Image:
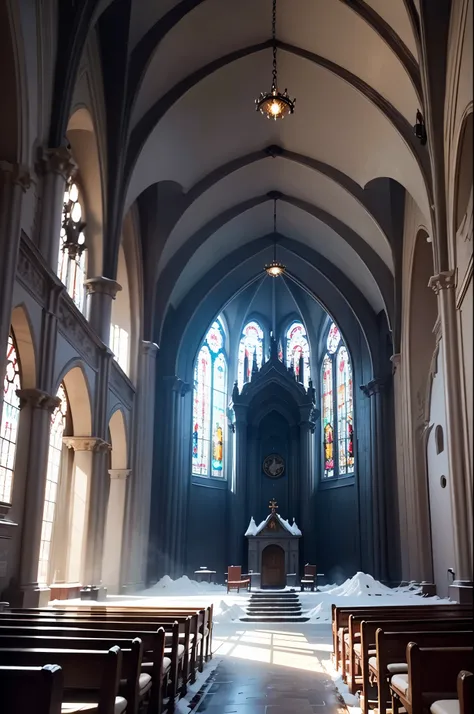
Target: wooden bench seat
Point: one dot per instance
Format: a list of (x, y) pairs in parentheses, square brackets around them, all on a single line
[(391, 654), (464, 704), (31, 689), (89, 676), (432, 676)]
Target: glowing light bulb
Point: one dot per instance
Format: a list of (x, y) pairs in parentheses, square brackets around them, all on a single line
[(275, 108)]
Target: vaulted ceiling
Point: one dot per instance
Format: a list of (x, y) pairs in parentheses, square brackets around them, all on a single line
[(207, 161)]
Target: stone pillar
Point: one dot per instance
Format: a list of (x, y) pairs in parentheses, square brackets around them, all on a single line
[(294, 475), (100, 293), (181, 479), (238, 489), (95, 527), (114, 530), (14, 181), (40, 406), (402, 489), (307, 489), (57, 166), (137, 525), (461, 490), (374, 390)]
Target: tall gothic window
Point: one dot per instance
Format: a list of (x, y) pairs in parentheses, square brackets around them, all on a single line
[(209, 404), (58, 424), (250, 346), (337, 407), (10, 419), (72, 258), (297, 352)]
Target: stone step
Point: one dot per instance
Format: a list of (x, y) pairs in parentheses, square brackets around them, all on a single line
[(283, 608), (276, 618), (274, 599)]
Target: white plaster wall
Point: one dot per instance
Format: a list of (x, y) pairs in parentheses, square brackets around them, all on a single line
[(441, 519)]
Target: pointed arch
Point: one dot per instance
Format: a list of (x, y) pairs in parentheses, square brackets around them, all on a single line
[(118, 439), (251, 347), (297, 352), (78, 391)]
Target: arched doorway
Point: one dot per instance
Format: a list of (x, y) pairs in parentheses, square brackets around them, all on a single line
[(273, 567)]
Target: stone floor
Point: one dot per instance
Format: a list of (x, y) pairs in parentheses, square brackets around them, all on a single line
[(269, 671)]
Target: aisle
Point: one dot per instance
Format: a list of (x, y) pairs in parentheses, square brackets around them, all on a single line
[(267, 670)]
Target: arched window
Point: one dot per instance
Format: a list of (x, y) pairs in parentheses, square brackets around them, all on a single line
[(250, 346), (10, 419), (297, 352), (72, 258), (337, 407), (58, 424), (209, 405)]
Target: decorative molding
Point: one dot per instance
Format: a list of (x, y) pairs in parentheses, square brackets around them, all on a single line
[(76, 329), (58, 161), (396, 361), (30, 272), (18, 174), (37, 399), (87, 443), (121, 385), (464, 285), (102, 286), (119, 474), (437, 330), (375, 386), (150, 349), (443, 281)]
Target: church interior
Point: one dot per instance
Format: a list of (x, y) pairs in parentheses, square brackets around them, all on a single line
[(235, 270)]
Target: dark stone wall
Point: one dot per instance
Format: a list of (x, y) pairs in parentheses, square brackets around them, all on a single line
[(207, 518)]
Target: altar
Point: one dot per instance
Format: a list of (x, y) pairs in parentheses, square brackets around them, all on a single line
[(273, 549)]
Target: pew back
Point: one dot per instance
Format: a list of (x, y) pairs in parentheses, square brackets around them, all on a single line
[(31, 689)]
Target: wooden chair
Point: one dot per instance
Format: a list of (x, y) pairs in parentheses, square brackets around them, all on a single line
[(235, 581), (31, 689), (309, 578)]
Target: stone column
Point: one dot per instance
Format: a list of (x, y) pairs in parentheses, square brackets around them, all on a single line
[(294, 475), (402, 490), (56, 166), (374, 390), (137, 525), (307, 488), (181, 480), (100, 293), (114, 529), (95, 527), (40, 406), (461, 490), (14, 181), (238, 489)]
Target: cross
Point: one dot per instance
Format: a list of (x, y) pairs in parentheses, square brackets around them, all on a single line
[(273, 505)]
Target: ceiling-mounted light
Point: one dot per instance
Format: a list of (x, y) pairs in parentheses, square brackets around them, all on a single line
[(274, 104), (275, 268)]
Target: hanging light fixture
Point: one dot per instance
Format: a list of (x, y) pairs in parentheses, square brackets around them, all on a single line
[(274, 104), (275, 268)]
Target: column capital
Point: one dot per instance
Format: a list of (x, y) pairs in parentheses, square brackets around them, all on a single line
[(175, 384), (443, 281), (86, 443), (119, 474), (57, 161), (149, 348), (17, 174), (396, 361), (104, 286), (375, 386), (37, 399)]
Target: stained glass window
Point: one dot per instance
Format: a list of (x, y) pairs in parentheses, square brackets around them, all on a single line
[(210, 404), (72, 258), (328, 417), (337, 407), (297, 352), (251, 343), (10, 419), (58, 423)]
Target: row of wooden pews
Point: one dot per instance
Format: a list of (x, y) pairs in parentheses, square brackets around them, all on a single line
[(416, 657), (100, 659)]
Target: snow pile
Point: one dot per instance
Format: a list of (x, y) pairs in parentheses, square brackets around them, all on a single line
[(227, 613), (361, 590), (252, 530), (181, 586)]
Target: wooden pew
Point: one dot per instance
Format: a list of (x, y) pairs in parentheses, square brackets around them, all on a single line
[(432, 675), (466, 692), (134, 686), (92, 674), (31, 689), (154, 663), (173, 650), (340, 622), (391, 647), (200, 625)]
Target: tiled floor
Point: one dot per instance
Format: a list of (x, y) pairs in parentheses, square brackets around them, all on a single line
[(266, 671)]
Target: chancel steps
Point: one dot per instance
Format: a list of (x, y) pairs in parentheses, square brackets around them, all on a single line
[(271, 606)]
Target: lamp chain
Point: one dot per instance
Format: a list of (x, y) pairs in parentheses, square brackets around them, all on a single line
[(274, 81), (274, 229)]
